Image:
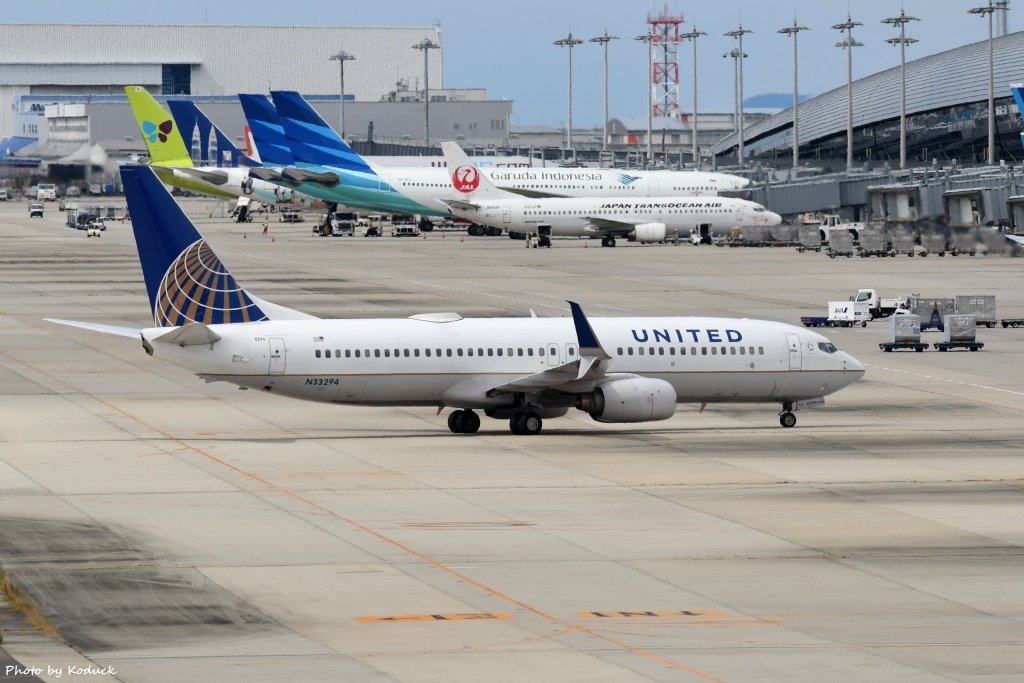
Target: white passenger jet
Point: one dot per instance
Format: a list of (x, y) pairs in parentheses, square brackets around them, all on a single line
[(647, 219), (523, 370)]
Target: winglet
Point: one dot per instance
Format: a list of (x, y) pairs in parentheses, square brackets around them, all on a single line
[(589, 345)]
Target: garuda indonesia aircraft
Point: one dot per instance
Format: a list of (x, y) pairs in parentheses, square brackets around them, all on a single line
[(524, 370), (644, 219), (172, 161), (295, 142)]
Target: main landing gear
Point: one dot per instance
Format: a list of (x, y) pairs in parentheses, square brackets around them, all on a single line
[(463, 422), (786, 417), (608, 241), (525, 423)]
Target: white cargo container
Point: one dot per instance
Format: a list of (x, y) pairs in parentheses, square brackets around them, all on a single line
[(981, 306)]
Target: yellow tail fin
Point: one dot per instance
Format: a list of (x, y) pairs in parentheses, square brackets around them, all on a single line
[(160, 133)]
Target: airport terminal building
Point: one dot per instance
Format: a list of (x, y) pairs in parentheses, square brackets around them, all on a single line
[(61, 85), (947, 114)]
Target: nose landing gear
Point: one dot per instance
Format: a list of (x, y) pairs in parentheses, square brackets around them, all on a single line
[(786, 417)]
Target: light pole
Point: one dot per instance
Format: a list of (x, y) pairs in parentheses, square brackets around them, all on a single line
[(425, 46), (649, 39), (902, 20), (735, 54), (989, 10), (738, 35), (793, 31), (341, 58), (604, 40), (570, 43), (693, 36), (849, 43)]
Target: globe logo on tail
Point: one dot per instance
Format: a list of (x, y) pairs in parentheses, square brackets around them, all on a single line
[(198, 288), (466, 178)]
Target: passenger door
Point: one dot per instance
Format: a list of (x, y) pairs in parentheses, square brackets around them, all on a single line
[(795, 354), (277, 355)]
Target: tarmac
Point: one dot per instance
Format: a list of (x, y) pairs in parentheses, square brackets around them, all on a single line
[(175, 530)]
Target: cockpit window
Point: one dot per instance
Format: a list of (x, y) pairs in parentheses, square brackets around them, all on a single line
[(759, 209), (827, 347)]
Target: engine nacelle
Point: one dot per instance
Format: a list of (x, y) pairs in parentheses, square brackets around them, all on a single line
[(649, 232), (637, 399)]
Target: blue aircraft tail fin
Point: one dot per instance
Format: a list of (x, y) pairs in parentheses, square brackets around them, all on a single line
[(185, 280), (267, 130), (312, 140), (191, 119)]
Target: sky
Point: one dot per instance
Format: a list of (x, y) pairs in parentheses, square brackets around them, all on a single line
[(506, 47)]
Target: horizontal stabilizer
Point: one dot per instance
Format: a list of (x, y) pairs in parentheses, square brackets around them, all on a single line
[(301, 175), (214, 177), (132, 332), (189, 334)]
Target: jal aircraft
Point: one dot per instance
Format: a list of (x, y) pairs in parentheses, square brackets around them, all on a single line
[(524, 370), (171, 160), (293, 139), (647, 219)]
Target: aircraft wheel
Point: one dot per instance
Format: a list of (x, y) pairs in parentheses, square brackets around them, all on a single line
[(455, 421), (470, 422), (787, 420), (530, 423)]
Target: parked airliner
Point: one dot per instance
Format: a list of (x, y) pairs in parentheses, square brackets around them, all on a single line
[(524, 370), (649, 219), (171, 159), (302, 150)]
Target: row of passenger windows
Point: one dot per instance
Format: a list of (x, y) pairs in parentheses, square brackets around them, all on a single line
[(434, 353), (620, 212), (715, 351)]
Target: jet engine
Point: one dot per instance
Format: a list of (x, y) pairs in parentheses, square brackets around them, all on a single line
[(649, 232), (637, 399)]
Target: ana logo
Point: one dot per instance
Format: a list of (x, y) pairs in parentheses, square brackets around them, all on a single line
[(154, 132), (466, 178), (628, 179)]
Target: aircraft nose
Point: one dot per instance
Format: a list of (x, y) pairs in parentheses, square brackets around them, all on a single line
[(852, 365), (774, 218)]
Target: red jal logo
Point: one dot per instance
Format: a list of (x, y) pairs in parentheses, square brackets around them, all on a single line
[(466, 178)]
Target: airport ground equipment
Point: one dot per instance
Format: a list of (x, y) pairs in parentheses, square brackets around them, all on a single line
[(808, 238), (960, 332), (874, 242), (1012, 322), (840, 314), (981, 306), (904, 334), (902, 242), (932, 311), (840, 243), (879, 307), (933, 243)]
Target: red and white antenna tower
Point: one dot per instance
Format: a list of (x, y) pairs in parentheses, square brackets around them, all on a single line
[(665, 69)]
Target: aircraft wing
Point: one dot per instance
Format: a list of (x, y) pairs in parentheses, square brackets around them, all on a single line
[(301, 175), (264, 173), (608, 225), (133, 332), (217, 177), (458, 204), (575, 375), (533, 194)]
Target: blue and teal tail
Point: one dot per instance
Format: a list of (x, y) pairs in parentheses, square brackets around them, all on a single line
[(312, 140), (190, 120), (185, 280), (1018, 96), (267, 130)]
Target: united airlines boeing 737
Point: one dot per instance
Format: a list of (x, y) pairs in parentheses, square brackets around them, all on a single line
[(524, 370)]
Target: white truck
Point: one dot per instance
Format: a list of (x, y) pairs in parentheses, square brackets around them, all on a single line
[(878, 307), (840, 314), (833, 222), (47, 192)]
